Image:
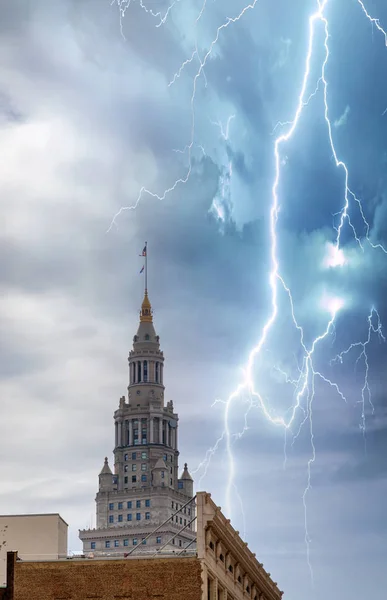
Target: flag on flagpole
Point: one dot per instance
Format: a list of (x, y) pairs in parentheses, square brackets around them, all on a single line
[(143, 252), (142, 269)]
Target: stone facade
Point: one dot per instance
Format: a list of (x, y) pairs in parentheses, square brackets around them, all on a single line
[(230, 571), (145, 493)]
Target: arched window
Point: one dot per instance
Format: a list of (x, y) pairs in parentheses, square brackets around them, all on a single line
[(133, 372), (138, 372), (147, 336), (145, 370), (157, 372)]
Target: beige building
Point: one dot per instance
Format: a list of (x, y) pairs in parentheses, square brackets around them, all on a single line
[(34, 537)]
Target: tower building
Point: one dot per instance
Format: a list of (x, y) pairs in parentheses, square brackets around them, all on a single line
[(144, 494)]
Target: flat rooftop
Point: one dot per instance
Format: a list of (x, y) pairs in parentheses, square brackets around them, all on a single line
[(35, 515)]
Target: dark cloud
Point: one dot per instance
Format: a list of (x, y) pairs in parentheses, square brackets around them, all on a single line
[(87, 119)]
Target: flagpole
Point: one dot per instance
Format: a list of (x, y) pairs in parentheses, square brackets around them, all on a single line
[(146, 267)]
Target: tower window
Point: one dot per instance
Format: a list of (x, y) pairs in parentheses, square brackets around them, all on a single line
[(134, 467), (145, 370), (126, 479), (143, 430), (116, 543), (125, 457), (126, 542), (162, 474), (158, 540), (129, 504), (120, 518), (181, 485), (107, 544), (144, 541), (138, 372), (180, 543), (147, 516), (143, 478), (144, 455), (147, 336), (129, 517), (92, 545), (125, 468), (134, 455), (138, 503), (111, 518), (147, 503), (144, 467), (134, 479), (111, 506), (134, 541), (138, 516), (119, 505)]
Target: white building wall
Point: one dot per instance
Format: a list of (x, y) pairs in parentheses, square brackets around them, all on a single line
[(34, 537)]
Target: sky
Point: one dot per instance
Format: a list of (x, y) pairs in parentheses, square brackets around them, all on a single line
[(171, 112)]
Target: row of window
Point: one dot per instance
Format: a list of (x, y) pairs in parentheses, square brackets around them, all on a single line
[(177, 519), (186, 510), (129, 517), (136, 455), (144, 467), (139, 374), (117, 544), (144, 478), (129, 504), (144, 455)]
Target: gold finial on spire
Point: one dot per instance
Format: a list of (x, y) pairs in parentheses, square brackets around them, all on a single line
[(146, 310)]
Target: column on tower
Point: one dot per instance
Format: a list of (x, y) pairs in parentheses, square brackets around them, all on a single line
[(160, 430), (130, 432), (151, 430)]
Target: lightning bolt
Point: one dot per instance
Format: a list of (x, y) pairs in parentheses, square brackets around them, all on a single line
[(202, 63), (374, 327), (305, 383)]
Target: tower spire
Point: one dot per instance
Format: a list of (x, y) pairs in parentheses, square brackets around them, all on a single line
[(146, 308)]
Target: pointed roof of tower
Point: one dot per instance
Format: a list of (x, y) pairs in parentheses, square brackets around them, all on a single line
[(160, 464), (106, 469), (186, 474), (146, 310)]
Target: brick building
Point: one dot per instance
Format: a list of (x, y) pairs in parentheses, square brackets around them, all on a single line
[(220, 568)]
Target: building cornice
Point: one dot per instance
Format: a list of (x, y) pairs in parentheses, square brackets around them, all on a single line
[(223, 530)]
